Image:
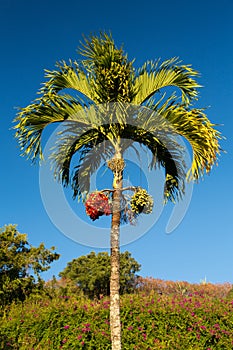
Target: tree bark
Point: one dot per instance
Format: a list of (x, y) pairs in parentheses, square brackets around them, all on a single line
[(117, 165)]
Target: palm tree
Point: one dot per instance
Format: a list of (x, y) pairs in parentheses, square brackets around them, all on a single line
[(116, 102)]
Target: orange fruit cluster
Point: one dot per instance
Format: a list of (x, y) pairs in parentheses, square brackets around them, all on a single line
[(97, 205)]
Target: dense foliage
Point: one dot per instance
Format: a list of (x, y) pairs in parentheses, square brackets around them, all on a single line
[(91, 273), (172, 321), (21, 265)]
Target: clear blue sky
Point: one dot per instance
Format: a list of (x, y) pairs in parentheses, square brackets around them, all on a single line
[(36, 34)]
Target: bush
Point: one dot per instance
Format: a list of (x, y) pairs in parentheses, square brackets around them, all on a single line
[(149, 321)]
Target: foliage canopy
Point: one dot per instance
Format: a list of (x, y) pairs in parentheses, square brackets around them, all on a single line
[(91, 273), (21, 264)]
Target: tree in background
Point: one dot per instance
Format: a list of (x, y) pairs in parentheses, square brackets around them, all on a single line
[(91, 273), (21, 265), (107, 109)]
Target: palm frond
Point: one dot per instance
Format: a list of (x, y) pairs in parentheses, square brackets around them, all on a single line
[(200, 133), (89, 162), (85, 143), (68, 76), (152, 77), (166, 152), (111, 73), (72, 141), (101, 51), (33, 119)]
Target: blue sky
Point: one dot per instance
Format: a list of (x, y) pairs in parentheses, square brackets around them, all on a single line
[(34, 35)]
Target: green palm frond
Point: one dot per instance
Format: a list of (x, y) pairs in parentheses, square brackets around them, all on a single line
[(100, 50), (68, 76), (152, 77), (70, 143), (200, 133), (83, 142), (33, 119), (89, 162), (166, 152), (111, 73)]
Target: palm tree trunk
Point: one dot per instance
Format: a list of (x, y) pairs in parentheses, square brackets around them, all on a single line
[(116, 165)]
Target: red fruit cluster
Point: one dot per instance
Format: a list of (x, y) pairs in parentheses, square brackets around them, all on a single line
[(97, 205)]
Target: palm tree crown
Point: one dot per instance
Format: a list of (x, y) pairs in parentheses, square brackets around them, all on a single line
[(105, 77)]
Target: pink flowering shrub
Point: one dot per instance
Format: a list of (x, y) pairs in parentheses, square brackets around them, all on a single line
[(169, 321)]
